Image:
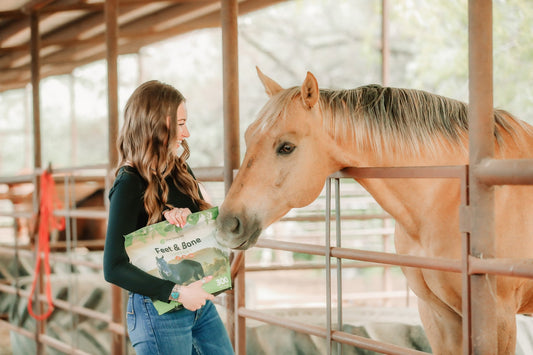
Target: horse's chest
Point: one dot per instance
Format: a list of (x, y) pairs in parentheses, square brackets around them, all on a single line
[(408, 244), (427, 283)]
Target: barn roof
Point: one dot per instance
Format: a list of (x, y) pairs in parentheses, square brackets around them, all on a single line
[(72, 32)]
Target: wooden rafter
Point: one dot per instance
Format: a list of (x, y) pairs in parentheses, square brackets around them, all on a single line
[(73, 32)]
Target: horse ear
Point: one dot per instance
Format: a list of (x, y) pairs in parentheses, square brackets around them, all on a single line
[(271, 87), (310, 91)]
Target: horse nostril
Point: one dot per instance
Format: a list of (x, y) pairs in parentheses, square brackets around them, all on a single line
[(230, 224), (234, 225)]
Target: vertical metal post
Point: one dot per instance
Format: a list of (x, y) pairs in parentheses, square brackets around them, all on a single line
[(328, 267), (229, 12), (27, 129), (385, 42), (466, 293), (37, 163), (340, 321), (118, 343), (140, 67), (230, 52), (385, 54), (386, 276), (73, 123), (110, 10), (481, 143), (35, 88)]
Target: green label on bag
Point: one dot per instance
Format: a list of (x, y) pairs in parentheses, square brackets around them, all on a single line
[(182, 255)]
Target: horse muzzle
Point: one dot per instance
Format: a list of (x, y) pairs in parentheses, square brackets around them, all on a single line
[(237, 231)]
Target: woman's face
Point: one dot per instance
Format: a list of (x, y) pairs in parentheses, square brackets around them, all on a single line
[(183, 131)]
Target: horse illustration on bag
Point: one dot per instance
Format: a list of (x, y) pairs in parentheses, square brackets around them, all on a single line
[(182, 273)]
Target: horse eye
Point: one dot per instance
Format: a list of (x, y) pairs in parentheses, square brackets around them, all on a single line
[(286, 148)]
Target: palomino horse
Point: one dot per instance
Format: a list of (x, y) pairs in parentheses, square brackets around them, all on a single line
[(304, 134)]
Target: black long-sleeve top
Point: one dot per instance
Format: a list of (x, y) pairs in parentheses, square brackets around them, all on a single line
[(127, 214)]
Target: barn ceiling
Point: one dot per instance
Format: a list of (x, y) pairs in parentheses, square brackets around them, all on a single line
[(72, 32)]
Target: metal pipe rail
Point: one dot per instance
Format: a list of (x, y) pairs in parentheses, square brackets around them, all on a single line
[(45, 339), (504, 267), (56, 257), (59, 304), (321, 218), (505, 172), (321, 332), (38, 171), (441, 264), (309, 266), (490, 172), (116, 328), (70, 175), (475, 265), (16, 179), (17, 214), (90, 213), (402, 172)]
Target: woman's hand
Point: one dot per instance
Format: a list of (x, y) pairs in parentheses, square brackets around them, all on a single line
[(177, 216), (193, 296)]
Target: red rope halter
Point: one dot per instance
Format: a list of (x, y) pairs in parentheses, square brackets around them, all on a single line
[(46, 222)]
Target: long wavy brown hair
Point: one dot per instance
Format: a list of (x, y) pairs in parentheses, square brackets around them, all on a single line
[(148, 143)]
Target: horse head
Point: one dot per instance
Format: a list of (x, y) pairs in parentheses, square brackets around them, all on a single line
[(288, 158)]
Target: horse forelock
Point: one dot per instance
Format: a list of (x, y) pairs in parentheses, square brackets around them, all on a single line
[(275, 110)]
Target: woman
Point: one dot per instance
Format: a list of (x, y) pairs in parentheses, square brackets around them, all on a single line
[(154, 182)]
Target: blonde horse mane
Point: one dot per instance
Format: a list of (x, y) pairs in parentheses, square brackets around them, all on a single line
[(400, 121)]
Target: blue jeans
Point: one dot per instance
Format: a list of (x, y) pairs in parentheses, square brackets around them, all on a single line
[(180, 332)]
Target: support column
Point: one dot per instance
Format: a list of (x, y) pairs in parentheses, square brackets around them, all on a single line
[(37, 161), (481, 197), (111, 8), (230, 62), (73, 158), (35, 88), (230, 51), (118, 344), (385, 51)]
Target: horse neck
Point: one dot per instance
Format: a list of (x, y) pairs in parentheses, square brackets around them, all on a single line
[(411, 201)]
